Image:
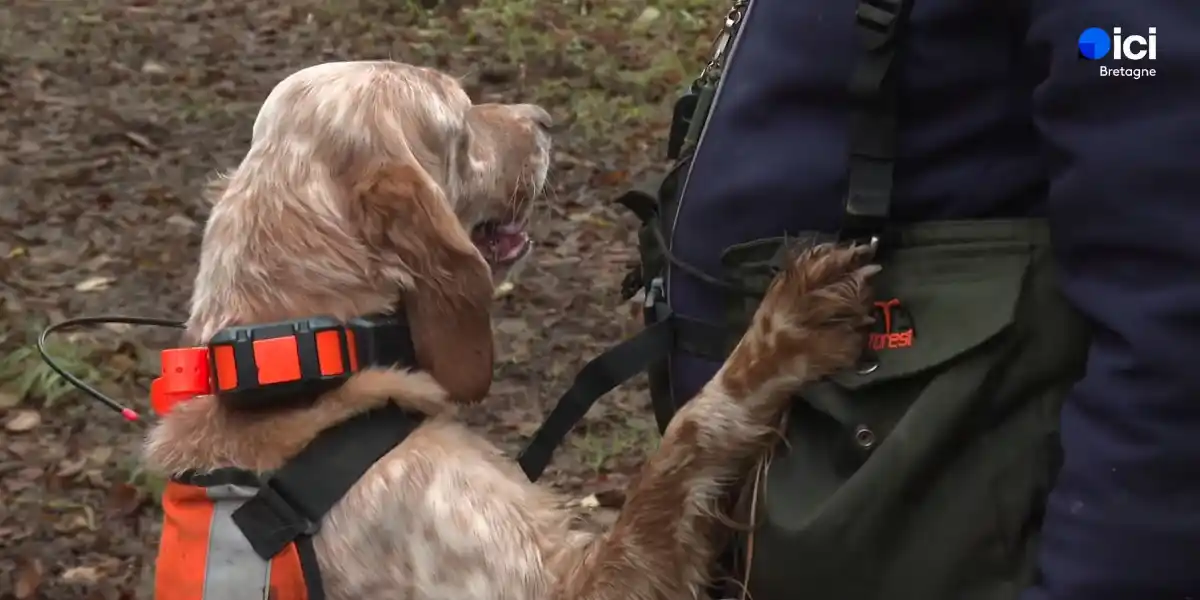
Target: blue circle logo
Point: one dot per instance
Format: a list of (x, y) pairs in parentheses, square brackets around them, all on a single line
[(1094, 43)]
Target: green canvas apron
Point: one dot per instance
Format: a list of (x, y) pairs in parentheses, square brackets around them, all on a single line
[(922, 474)]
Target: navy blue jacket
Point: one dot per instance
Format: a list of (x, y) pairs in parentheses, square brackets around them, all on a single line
[(1001, 117)]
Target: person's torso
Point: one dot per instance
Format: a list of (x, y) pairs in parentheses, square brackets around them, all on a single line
[(772, 158)]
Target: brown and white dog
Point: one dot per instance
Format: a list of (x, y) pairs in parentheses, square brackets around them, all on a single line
[(371, 180)]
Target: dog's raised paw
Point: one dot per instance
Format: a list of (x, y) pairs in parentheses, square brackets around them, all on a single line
[(811, 321)]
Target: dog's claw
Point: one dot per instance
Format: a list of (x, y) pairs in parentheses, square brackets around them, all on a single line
[(824, 301)]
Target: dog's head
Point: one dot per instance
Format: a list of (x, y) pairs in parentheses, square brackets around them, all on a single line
[(371, 181)]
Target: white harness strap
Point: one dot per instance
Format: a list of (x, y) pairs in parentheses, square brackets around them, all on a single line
[(233, 570)]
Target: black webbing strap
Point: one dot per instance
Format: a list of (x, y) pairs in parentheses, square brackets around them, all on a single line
[(607, 371), (290, 504), (222, 476), (306, 553), (873, 97)]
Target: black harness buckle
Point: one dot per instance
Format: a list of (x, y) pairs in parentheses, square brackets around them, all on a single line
[(877, 21)]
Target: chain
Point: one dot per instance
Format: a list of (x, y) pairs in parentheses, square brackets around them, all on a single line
[(721, 43)]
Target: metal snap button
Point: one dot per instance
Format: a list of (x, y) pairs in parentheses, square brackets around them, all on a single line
[(864, 437)]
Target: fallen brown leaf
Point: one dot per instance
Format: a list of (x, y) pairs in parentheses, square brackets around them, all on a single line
[(93, 284), (84, 575), (71, 467), (124, 499), (141, 141), (100, 455), (610, 178), (23, 420), (28, 578)]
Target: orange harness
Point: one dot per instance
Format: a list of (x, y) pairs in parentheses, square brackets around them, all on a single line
[(202, 554), (234, 535), (230, 534)]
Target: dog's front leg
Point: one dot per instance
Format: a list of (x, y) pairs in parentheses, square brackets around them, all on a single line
[(663, 543)]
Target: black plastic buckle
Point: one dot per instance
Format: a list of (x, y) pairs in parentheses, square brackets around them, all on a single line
[(877, 21), (862, 227), (869, 189), (383, 341)]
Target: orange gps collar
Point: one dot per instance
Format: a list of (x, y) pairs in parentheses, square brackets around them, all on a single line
[(274, 364)]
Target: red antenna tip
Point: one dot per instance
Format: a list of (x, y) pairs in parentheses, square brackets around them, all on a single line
[(130, 414)]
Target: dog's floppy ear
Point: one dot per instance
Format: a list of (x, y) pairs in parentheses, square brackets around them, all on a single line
[(412, 230)]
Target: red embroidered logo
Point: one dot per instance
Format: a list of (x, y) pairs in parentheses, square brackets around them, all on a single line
[(893, 328)]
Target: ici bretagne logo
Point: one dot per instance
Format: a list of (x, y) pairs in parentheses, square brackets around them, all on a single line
[(1097, 44)]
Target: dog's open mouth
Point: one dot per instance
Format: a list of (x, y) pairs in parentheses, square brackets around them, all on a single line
[(502, 244)]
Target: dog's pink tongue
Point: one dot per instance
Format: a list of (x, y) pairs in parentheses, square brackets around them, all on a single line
[(508, 243), (501, 243)]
